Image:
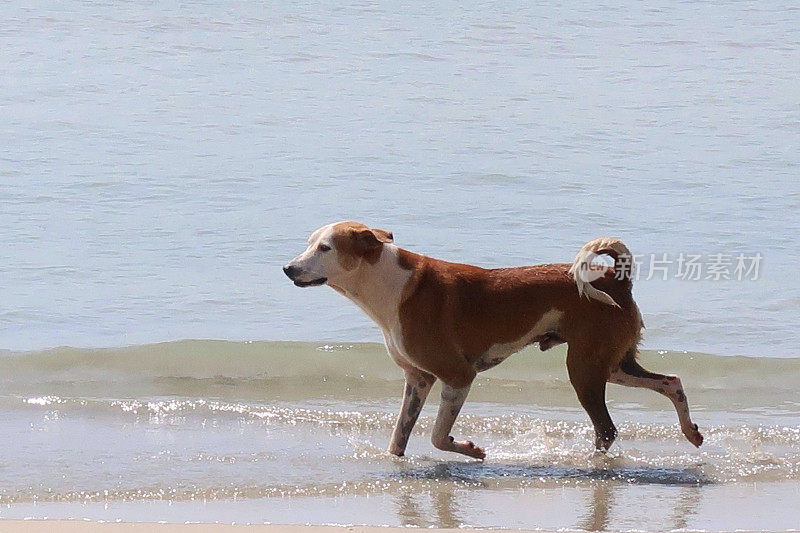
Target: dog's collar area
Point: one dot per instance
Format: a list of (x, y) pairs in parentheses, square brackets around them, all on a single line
[(312, 283)]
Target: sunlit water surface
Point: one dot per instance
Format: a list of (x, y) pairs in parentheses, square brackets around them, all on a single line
[(161, 162)]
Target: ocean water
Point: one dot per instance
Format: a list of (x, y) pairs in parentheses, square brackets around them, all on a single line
[(160, 163), (296, 432)]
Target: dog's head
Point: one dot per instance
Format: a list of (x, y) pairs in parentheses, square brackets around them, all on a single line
[(335, 252)]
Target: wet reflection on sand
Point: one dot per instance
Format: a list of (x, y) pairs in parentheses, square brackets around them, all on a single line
[(441, 495)]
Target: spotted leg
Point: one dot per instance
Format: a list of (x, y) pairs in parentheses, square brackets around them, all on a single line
[(631, 374), (418, 385), (450, 406)]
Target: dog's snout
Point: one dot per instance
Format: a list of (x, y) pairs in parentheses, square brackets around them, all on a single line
[(290, 271)]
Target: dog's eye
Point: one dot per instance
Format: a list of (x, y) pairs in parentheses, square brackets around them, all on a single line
[(324, 248)]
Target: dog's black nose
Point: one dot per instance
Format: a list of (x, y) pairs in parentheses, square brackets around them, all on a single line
[(290, 271)]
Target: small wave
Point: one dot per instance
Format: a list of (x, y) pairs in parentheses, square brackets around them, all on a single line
[(242, 361), (508, 425)]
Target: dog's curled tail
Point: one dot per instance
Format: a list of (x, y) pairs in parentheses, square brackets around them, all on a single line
[(584, 272)]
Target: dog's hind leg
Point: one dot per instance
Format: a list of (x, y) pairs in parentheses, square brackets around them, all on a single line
[(450, 406), (589, 382), (631, 374), (418, 385)]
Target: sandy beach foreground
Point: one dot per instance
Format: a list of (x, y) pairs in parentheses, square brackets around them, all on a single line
[(74, 526)]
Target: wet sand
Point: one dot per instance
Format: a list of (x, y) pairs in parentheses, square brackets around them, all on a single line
[(68, 526)]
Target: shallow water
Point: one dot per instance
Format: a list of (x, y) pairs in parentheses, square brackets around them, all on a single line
[(296, 432)]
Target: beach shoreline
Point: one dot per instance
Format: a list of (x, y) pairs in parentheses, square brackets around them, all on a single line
[(85, 526), (251, 433)]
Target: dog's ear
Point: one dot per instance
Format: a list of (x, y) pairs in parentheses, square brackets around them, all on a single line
[(368, 242), (383, 235), (358, 242)]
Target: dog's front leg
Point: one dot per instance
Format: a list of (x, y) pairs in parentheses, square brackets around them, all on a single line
[(418, 385), (450, 406)]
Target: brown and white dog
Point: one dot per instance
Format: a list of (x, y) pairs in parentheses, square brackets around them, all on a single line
[(450, 321)]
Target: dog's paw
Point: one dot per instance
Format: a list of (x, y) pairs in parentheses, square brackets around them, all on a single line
[(468, 448), (693, 435)]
